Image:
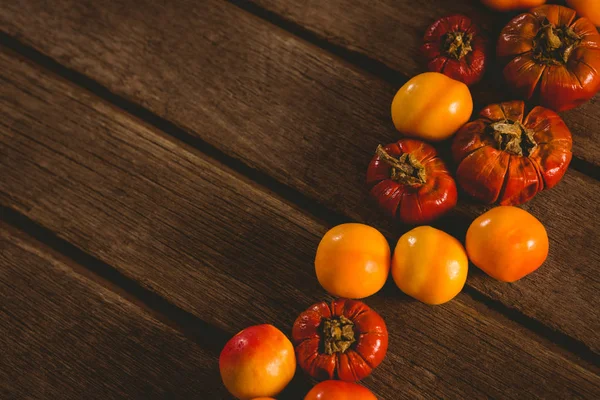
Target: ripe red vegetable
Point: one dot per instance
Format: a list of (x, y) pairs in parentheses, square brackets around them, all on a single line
[(344, 339), (339, 390), (505, 159), (455, 46), (410, 182), (551, 56)]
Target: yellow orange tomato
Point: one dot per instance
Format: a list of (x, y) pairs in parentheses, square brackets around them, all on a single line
[(353, 261), (431, 106), (587, 8), (257, 362), (429, 265), (339, 390), (510, 5), (507, 243)]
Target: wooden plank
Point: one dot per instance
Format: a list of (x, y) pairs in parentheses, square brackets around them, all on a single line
[(391, 32), (294, 112), (230, 253), (65, 337)]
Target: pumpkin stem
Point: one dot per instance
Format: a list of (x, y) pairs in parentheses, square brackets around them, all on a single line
[(406, 169), (553, 45), (338, 334), (457, 44), (513, 137)]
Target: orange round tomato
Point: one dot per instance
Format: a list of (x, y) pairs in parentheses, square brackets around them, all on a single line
[(587, 8), (507, 243), (339, 390), (257, 362), (353, 261), (431, 106), (429, 265), (511, 5)]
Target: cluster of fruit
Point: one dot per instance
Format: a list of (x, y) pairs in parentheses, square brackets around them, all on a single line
[(549, 57), (504, 157)]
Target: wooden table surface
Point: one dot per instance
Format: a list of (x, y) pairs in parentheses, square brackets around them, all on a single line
[(167, 169)]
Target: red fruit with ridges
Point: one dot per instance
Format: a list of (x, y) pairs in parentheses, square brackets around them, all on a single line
[(344, 339), (506, 157), (410, 182), (456, 47)]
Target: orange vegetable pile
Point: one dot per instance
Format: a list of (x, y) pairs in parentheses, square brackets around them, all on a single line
[(506, 156)]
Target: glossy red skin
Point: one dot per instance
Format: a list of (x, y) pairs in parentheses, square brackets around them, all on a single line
[(468, 69), (339, 390), (359, 360), (483, 169), (558, 87), (413, 204)]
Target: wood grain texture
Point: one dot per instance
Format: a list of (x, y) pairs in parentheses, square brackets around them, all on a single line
[(65, 337), (391, 32), (302, 116), (230, 253)]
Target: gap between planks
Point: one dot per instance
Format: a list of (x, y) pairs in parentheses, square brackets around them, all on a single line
[(87, 329), (188, 324), (207, 336), (267, 182)]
